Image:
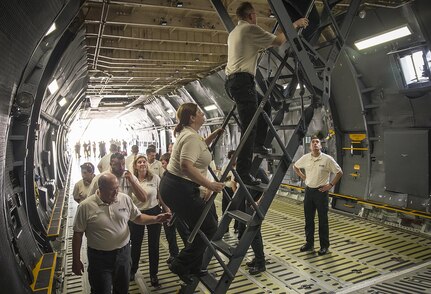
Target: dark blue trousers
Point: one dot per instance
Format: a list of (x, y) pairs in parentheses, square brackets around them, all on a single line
[(137, 236), (241, 87), (183, 198), (109, 271), (316, 201)]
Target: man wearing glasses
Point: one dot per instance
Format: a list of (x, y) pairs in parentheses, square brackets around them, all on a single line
[(103, 217)]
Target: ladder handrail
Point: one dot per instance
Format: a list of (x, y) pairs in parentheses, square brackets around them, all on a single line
[(309, 72), (235, 155)]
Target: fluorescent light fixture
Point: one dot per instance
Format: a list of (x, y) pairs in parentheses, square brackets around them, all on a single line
[(51, 29), (210, 107), (158, 116), (383, 37), (179, 4), (107, 103), (115, 96), (298, 86), (62, 102), (169, 111), (53, 87)]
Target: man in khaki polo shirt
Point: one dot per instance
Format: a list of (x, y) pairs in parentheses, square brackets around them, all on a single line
[(104, 163), (127, 180), (318, 166), (81, 190), (244, 43), (131, 158), (103, 218), (154, 165)]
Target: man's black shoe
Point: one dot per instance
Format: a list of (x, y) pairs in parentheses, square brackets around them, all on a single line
[(250, 180), (132, 277), (256, 270), (155, 282), (184, 276), (275, 104), (251, 264), (170, 259), (306, 247), (200, 273), (261, 150), (323, 251)]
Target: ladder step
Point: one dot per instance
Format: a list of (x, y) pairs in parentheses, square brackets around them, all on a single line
[(18, 163), (260, 187), (285, 127), (239, 216), (324, 44), (367, 90), (284, 77), (374, 122), (209, 281), (324, 24), (271, 156), (371, 106), (223, 247)]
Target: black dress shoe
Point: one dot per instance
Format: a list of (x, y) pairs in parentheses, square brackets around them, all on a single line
[(306, 247), (261, 150), (323, 251), (155, 282), (250, 180), (132, 277), (183, 275), (170, 259), (251, 264), (200, 273), (257, 270)]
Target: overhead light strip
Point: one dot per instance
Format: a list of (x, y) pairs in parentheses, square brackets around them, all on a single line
[(51, 29), (385, 37), (53, 86), (62, 102), (210, 107)]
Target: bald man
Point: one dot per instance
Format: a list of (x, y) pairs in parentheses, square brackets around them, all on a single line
[(103, 218)]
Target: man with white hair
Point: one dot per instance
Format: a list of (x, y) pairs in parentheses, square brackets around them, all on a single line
[(103, 217)]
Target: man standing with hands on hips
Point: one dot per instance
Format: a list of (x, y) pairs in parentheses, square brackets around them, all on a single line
[(317, 166)]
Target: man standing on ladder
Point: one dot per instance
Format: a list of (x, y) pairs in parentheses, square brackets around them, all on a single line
[(318, 167), (244, 44)]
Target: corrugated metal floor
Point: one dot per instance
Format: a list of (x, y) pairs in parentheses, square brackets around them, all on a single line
[(366, 257)]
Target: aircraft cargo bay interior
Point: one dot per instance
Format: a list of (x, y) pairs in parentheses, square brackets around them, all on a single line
[(165, 146)]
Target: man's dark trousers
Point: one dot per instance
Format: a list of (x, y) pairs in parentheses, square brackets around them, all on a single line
[(316, 200), (241, 87)]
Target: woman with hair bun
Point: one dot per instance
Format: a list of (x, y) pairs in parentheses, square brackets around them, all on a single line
[(179, 188)]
